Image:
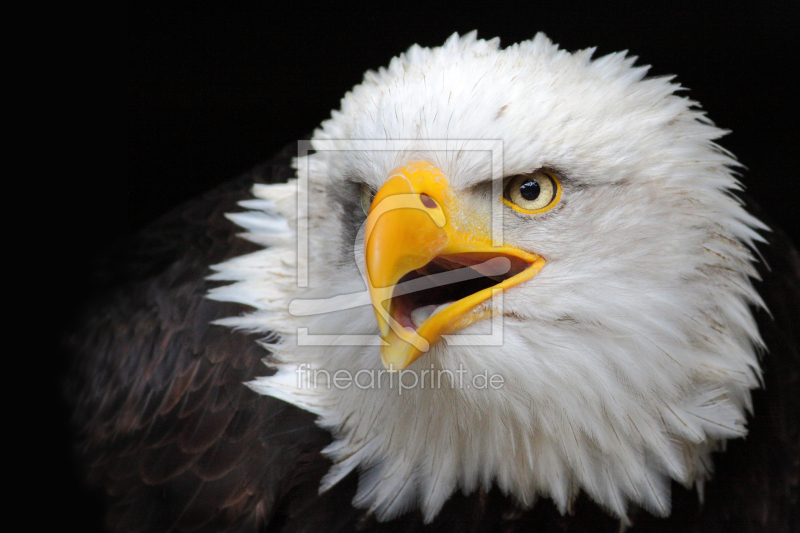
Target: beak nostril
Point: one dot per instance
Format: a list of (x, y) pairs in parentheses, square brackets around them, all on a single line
[(427, 201)]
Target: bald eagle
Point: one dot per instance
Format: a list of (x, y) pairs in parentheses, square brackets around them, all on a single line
[(499, 289)]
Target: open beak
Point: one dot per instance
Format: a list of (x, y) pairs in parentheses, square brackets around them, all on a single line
[(429, 272)]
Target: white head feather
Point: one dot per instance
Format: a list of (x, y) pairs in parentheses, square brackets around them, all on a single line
[(625, 361)]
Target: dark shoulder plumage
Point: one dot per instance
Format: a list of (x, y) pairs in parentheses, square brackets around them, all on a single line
[(167, 428), (164, 422)]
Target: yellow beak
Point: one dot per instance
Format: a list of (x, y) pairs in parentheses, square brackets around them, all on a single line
[(423, 264)]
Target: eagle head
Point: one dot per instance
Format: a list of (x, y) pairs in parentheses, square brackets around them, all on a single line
[(522, 267)]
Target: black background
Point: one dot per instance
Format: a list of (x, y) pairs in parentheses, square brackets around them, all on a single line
[(210, 93)]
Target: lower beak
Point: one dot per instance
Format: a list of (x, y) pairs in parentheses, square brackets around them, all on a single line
[(429, 275)]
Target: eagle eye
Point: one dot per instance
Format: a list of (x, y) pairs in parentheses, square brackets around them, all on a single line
[(532, 193), (367, 195)]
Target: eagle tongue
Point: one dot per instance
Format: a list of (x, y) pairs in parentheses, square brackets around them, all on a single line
[(421, 314)]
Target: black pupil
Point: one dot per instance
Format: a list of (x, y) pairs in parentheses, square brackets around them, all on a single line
[(530, 189)]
